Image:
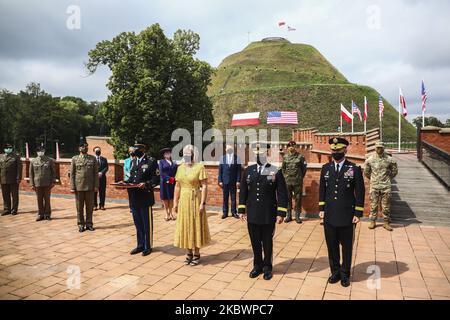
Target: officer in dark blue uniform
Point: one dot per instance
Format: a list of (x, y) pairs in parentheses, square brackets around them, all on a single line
[(144, 173), (341, 202), (262, 203)]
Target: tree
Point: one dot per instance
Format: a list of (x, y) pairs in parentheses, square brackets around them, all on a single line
[(429, 121), (447, 123), (157, 85)]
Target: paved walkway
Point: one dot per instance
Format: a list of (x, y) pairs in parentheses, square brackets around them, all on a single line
[(418, 197), (41, 260)]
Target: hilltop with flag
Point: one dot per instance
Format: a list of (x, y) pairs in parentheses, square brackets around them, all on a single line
[(275, 83)]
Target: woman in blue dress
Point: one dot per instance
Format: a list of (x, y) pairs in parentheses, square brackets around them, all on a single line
[(167, 171)]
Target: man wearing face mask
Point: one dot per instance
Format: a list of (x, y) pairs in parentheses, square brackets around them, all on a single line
[(42, 180), (294, 170), (145, 174), (380, 169), (102, 164), (229, 180), (84, 183), (341, 202), (10, 178), (262, 203)]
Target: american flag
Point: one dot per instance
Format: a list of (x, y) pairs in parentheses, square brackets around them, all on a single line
[(282, 117), (424, 97), (381, 107), (355, 109)]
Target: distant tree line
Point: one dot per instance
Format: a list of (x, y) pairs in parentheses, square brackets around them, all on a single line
[(431, 121), (36, 117)]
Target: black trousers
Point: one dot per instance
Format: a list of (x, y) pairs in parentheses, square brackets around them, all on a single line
[(335, 237), (143, 221), (10, 191), (261, 237), (101, 192)]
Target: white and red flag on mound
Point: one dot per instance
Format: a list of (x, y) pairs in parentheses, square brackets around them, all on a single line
[(346, 115), (245, 119), (403, 104)]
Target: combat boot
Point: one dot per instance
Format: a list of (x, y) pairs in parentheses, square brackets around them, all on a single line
[(372, 225), (387, 226), (288, 218)]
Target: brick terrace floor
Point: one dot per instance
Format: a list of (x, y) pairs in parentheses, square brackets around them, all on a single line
[(35, 258)]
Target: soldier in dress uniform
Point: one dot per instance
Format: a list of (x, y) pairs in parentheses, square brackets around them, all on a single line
[(380, 169), (262, 203), (341, 202), (42, 180), (294, 170), (10, 178), (84, 183), (145, 173)]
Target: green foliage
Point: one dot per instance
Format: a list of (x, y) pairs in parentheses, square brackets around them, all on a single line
[(429, 121), (157, 85), (36, 117), (278, 75)]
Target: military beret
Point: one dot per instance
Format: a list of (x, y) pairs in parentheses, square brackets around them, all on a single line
[(292, 143), (338, 143), (379, 144), (260, 148)]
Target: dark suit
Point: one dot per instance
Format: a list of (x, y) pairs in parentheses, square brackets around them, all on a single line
[(229, 175), (263, 197), (341, 197), (10, 175), (102, 163), (143, 170)]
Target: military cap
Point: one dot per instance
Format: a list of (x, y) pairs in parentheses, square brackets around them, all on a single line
[(292, 143), (83, 142), (379, 144), (40, 148), (8, 145), (260, 148), (139, 145), (338, 143)]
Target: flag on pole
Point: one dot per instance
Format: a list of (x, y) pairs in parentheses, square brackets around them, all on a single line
[(281, 23), (424, 97), (355, 109), (291, 29), (403, 104), (245, 119), (366, 109), (346, 115), (381, 108), (27, 151), (282, 117)]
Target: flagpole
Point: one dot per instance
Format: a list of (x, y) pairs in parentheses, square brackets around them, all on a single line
[(399, 123), (342, 129), (381, 129), (352, 118), (365, 114), (423, 118)]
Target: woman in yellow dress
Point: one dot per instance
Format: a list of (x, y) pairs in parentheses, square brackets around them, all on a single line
[(192, 231)]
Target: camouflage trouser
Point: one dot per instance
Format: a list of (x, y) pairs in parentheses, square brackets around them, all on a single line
[(382, 197), (294, 191)]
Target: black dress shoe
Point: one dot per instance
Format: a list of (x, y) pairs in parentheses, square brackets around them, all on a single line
[(48, 218), (136, 250), (14, 213), (334, 279), (146, 252), (235, 215), (90, 228), (102, 208), (81, 229), (267, 275), (255, 273), (224, 216), (298, 220), (287, 219), (95, 208), (40, 218), (5, 213), (345, 282)]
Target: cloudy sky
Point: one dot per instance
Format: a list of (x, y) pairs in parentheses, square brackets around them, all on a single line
[(380, 43)]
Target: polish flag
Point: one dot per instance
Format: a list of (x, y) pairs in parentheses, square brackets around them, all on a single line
[(403, 104), (346, 115), (245, 119)]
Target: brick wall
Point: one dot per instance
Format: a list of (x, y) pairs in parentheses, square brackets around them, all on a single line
[(115, 173), (438, 137), (102, 142)]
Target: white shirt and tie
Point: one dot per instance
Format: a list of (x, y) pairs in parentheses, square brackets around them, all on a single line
[(338, 166), (230, 158)]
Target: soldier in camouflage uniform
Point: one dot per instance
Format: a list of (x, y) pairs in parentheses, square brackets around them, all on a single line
[(380, 169), (42, 180), (294, 170)]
